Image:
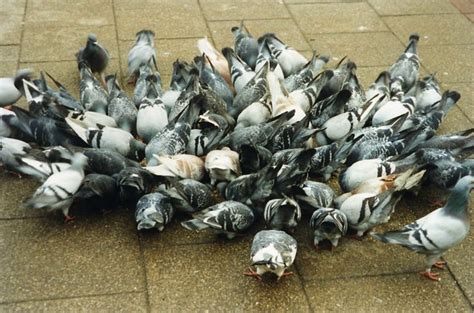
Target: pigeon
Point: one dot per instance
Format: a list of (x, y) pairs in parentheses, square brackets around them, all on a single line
[(253, 158), (404, 72), (109, 138), (189, 195), (210, 129), (142, 53), (255, 187), (392, 110), (246, 46), (99, 192), (290, 60), (133, 182), (102, 161), (152, 116), (7, 118), (222, 165), (39, 169), (282, 214), (57, 192), (214, 80), (240, 72), (96, 56), (312, 195), (427, 93), (179, 80), (265, 58), (256, 113), (14, 146), (120, 107), (306, 96), (215, 60), (328, 224), (179, 165), (358, 97), (271, 254), (438, 231), (11, 87), (381, 86), (305, 75), (341, 125), (229, 218), (154, 210), (170, 140)]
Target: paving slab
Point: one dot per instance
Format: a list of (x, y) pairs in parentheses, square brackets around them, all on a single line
[(408, 7), (443, 29), (455, 121), (13, 191), (169, 21), (390, 293), (336, 18), (243, 9), (451, 62), (176, 273), (13, 7), (8, 69), (75, 13), (320, 1), (61, 43), (460, 260), (365, 49), (125, 302), (10, 32), (9, 53), (286, 30), (465, 6), (48, 259)]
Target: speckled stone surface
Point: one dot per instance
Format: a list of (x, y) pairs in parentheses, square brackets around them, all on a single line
[(99, 263)]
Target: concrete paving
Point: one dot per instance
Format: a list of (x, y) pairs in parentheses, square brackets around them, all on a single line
[(101, 263)]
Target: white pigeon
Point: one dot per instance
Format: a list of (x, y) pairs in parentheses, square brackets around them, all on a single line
[(57, 192), (438, 231), (9, 92), (222, 165)]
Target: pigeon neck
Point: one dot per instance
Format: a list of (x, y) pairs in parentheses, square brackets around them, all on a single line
[(458, 202)]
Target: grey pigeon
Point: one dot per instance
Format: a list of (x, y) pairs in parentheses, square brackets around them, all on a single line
[(404, 72), (57, 192), (282, 214), (438, 231), (272, 252), (312, 195), (189, 196), (246, 46), (171, 140), (96, 56), (120, 107), (11, 87), (142, 52), (328, 224), (154, 210), (229, 218), (98, 192), (92, 94)]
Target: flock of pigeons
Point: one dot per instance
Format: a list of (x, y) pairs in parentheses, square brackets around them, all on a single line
[(244, 134)]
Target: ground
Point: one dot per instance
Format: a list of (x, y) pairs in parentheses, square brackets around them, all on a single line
[(101, 263)]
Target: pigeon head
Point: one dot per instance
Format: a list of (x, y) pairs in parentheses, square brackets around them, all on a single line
[(92, 38), (137, 150)]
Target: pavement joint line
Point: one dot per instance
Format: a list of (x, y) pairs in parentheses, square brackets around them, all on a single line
[(23, 21), (117, 39), (387, 274), (301, 280), (73, 297), (161, 38), (458, 284), (145, 272), (206, 22), (55, 61), (251, 19), (417, 14), (297, 24)]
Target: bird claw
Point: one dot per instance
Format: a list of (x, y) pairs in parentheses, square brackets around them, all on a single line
[(69, 219), (252, 273), (286, 274), (430, 275), (440, 265)]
